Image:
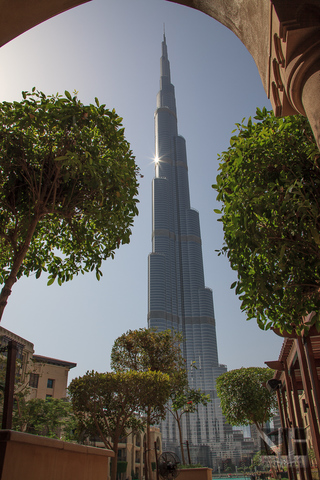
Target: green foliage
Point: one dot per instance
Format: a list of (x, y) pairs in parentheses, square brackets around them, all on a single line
[(68, 182), (114, 404), (50, 418), (146, 349), (244, 398), (188, 401), (257, 460), (269, 184), (185, 400), (21, 386)]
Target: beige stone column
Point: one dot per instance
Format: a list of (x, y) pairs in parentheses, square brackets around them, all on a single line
[(302, 81), (311, 100)]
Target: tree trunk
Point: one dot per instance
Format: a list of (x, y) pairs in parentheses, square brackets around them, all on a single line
[(17, 262), (23, 426), (148, 449), (114, 462), (262, 434), (180, 438)]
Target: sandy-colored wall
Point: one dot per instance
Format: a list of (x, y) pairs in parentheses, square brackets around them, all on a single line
[(29, 457), (55, 372)]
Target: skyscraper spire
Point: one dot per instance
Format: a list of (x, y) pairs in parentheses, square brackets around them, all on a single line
[(166, 96), (178, 298)]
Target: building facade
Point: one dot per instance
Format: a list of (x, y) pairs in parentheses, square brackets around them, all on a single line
[(49, 377), (132, 452), (41, 377), (178, 298), (296, 382)]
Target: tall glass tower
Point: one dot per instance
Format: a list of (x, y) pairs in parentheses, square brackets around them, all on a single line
[(178, 298)]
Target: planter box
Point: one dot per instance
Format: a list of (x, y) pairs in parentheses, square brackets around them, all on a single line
[(195, 474), (30, 457)]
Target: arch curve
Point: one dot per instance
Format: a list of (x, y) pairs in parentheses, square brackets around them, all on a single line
[(18, 16), (295, 22)]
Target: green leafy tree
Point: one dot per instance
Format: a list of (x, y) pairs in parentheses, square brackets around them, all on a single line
[(269, 183), (146, 350), (257, 460), (114, 404), (68, 182), (186, 401), (49, 418), (244, 398), (21, 382), (228, 466)]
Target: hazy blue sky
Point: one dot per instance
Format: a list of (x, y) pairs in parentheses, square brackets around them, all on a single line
[(110, 49)]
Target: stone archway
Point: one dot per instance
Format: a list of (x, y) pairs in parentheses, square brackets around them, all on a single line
[(283, 37), (18, 16)]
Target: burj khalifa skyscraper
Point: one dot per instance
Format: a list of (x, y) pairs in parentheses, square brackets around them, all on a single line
[(178, 297)]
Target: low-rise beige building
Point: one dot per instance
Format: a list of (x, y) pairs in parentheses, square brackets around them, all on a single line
[(24, 353), (133, 451), (49, 377), (44, 377)]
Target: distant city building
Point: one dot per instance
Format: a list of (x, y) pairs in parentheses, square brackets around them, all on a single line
[(245, 429), (178, 298)]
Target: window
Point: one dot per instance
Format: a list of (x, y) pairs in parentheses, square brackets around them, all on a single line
[(48, 397), (34, 380), (50, 383)]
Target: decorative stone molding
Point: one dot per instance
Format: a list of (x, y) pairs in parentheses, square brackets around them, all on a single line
[(294, 52)]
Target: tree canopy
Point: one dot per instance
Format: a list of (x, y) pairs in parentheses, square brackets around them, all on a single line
[(68, 186), (146, 349), (244, 398), (114, 404), (269, 183), (186, 400), (49, 418)]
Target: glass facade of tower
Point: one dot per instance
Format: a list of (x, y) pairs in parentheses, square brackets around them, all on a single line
[(178, 298)]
